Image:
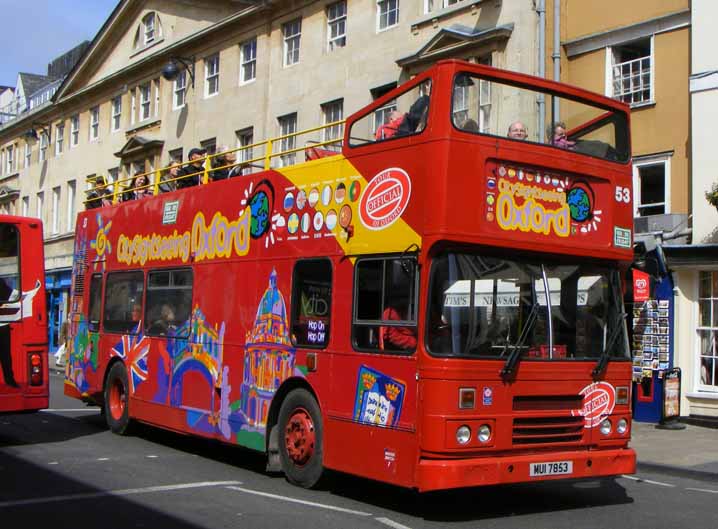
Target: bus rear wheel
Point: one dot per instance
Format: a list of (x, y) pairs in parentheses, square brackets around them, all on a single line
[(117, 409), (301, 439)]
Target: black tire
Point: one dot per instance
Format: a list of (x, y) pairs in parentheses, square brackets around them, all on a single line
[(117, 403), (301, 439)]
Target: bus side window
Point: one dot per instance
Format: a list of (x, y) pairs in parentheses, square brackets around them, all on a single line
[(95, 302), (123, 302), (385, 305), (312, 302), (9, 263), (169, 303)]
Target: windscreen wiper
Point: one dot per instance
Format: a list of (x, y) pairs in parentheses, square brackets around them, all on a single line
[(513, 359), (605, 354)]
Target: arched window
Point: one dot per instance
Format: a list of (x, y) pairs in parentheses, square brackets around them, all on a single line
[(149, 30)]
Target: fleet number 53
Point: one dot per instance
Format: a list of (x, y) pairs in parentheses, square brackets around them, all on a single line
[(623, 194)]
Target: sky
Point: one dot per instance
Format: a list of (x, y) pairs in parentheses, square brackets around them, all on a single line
[(34, 32)]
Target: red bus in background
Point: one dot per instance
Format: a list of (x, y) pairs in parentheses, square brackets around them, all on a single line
[(23, 318), (433, 305)]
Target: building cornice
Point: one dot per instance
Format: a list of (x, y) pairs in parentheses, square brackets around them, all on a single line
[(654, 26)]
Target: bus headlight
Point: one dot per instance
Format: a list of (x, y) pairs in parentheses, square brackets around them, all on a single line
[(606, 427), (463, 434), (621, 426), (484, 433)]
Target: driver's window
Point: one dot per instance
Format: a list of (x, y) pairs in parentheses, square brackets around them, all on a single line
[(403, 116)]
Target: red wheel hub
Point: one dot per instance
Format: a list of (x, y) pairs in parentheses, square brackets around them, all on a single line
[(118, 399), (299, 436)]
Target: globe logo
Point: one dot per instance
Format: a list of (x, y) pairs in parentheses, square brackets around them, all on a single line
[(579, 203), (259, 206)]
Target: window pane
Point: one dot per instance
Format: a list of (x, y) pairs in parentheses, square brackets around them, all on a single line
[(704, 310), (9, 263), (123, 302), (312, 303), (169, 303), (705, 285), (95, 302)]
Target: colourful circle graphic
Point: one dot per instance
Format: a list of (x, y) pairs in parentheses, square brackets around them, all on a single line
[(259, 206), (293, 223), (318, 221), (313, 197), (340, 193), (331, 220), (306, 222), (326, 195), (354, 191), (301, 199), (288, 201), (345, 216), (579, 203)]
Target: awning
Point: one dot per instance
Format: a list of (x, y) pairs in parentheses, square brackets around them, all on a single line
[(691, 256)]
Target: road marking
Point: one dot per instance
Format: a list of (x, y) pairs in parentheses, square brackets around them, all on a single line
[(103, 459), (120, 492), (152, 457), (392, 523), (56, 410), (53, 463), (703, 490), (649, 481), (303, 502)]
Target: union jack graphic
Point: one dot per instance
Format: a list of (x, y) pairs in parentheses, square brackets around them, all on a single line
[(133, 349)]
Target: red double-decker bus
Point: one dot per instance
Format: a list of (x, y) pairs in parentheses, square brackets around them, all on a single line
[(23, 318), (433, 303)]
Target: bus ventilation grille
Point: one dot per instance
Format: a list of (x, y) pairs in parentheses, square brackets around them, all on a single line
[(547, 430)]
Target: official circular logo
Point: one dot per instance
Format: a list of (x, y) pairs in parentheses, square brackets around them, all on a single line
[(579, 203), (385, 198), (599, 399)]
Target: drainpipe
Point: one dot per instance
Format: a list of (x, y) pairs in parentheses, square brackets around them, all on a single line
[(541, 10), (556, 54)]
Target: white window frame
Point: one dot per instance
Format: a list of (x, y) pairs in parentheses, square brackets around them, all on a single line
[(59, 138), (40, 203), (248, 61), (10, 159), (291, 42), (44, 142), (698, 385), (609, 87), (149, 28), (179, 90), (26, 206), (647, 161), (245, 137), (333, 111), (55, 226), (94, 123), (287, 125), (116, 119), (74, 130), (383, 10), (28, 155), (71, 194), (211, 73), (437, 5), (338, 22), (145, 106)]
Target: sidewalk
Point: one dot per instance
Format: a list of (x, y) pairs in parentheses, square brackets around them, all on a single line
[(692, 452)]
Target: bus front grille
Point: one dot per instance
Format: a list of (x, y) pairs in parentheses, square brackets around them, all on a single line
[(547, 430)]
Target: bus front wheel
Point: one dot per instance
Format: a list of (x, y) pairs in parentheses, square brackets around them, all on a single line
[(117, 412), (301, 439)]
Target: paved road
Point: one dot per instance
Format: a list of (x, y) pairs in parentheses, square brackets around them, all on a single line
[(62, 468)]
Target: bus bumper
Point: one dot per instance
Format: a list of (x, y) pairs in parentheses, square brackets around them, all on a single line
[(436, 474)]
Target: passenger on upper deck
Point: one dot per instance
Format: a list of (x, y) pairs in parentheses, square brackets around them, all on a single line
[(195, 168), (99, 195), (139, 188), (469, 125), (391, 127), (167, 180), (557, 136), (517, 131), (226, 163), (415, 119)]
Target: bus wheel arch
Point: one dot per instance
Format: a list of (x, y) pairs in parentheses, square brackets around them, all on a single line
[(116, 395), (295, 441)]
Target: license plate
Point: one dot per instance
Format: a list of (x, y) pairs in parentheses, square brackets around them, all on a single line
[(554, 468)]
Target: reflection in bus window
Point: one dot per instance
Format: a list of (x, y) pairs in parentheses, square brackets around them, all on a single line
[(169, 303), (483, 304), (95, 302), (312, 302), (9, 263), (123, 302), (385, 300), (490, 107), (403, 116)]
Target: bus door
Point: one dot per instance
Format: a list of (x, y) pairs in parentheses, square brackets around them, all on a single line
[(375, 387)]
